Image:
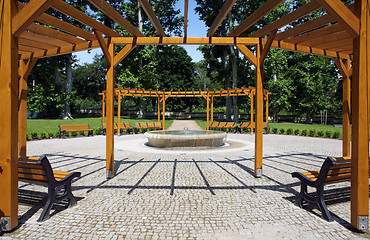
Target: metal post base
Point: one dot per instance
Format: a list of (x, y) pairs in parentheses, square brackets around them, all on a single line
[(109, 174), (5, 224), (362, 223), (259, 173)]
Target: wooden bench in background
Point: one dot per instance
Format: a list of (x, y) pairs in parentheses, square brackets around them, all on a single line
[(148, 125), (223, 125), (333, 170), (252, 126), (38, 170), (125, 126), (75, 128)]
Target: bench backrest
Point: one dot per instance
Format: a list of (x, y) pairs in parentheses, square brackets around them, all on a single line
[(35, 169), (158, 125), (213, 124), (222, 125), (74, 127), (252, 124), (148, 125)]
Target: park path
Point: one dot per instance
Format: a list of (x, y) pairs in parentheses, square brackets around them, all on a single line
[(180, 124)]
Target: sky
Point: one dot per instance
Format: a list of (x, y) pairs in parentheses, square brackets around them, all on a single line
[(196, 28)]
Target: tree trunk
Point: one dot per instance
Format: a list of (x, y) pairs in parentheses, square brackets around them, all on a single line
[(235, 82), (225, 60), (66, 112)]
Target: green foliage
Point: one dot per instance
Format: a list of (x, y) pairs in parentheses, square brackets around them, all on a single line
[(43, 135), (328, 134), (274, 130), (336, 134), (74, 134), (281, 130), (289, 131), (98, 131), (28, 136), (304, 132), (50, 134), (296, 132), (311, 132), (34, 135), (320, 133), (82, 133)]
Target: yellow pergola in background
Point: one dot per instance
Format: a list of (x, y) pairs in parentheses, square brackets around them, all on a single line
[(341, 34)]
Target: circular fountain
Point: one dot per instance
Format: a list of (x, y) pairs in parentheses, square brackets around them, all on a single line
[(185, 138)]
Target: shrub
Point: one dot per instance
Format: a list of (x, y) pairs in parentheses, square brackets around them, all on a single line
[(98, 131), (57, 133), (281, 130), (50, 134), (43, 134), (328, 134), (336, 134), (304, 132), (28, 136), (289, 131), (296, 132), (274, 130), (34, 135), (312, 133), (320, 133), (74, 134), (82, 133)]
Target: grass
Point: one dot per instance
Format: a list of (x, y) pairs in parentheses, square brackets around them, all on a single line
[(47, 125)]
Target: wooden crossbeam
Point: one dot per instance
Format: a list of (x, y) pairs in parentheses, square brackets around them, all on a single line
[(28, 14), (315, 34), (186, 11), (267, 46), (39, 29), (337, 36), (247, 53), (36, 44), (335, 44), (220, 17), (255, 16), (117, 17), (123, 53), (285, 20), (104, 46), (83, 18), (151, 15), (43, 39), (342, 14), (30, 49)]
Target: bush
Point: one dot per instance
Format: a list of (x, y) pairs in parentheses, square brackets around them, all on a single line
[(282, 131), (43, 134), (98, 131), (289, 131), (336, 134), (274, 130), (312, 133), (82, 133), (57, 133), (74, 134), (296, 132), (320, 133), (50, 134), (304, 132), (328, 134), (28, 136), (34, 135)]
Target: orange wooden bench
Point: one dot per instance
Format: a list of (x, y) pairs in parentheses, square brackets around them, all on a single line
[(38, 170), (148, 125), (125, 126), (222, 125), (252, 126), (75, 128)]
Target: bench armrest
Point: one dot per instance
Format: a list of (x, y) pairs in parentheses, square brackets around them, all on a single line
[(304, 179)]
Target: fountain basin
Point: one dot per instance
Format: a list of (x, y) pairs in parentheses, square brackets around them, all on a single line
[(185, 138)]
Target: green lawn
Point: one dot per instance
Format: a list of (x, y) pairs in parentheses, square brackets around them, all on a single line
[(51, 125)]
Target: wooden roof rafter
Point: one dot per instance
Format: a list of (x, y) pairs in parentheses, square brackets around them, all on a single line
[(153, 18), (186, 11), (221, 16)]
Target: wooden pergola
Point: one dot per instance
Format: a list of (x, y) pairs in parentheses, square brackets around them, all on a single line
[(163, 95), (28, 33)]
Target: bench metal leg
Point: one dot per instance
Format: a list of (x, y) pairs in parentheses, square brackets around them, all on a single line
[(301, 195), (322, 205), (49, 204)]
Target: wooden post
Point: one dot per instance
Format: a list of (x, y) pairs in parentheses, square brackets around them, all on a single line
[(25, 67), (212, 108), (252, 111), (267, 108), (259, 115), (164, 110), (110, 117), (103, 108), (159, 109), (360, 133), (207, 98), (119, 114), (9, 119)]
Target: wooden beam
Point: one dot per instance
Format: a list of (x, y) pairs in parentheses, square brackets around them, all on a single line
[(44, 39), (30, 49), (258, 155), (185, 41), (110, 117), (104, 46), (25, 67), (83, 18), (337, 36), (123, 53), (153, 18), (267, 46), (117, 17), (186, 11), (335, 44), (9, 119), (285, 20), (36, 44), (360, 130), (247, 53), (255, 16), (220, 17), (342, 14), (344, 67), (28, 14), (52, 33)]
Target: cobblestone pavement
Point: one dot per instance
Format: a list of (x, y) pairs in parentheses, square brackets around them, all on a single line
[(179, 194)]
